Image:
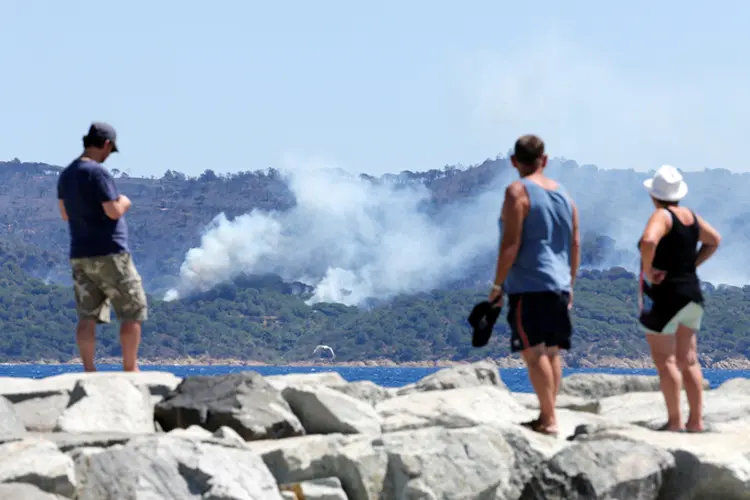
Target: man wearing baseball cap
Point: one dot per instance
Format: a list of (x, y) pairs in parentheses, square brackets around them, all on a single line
[(104, 274)]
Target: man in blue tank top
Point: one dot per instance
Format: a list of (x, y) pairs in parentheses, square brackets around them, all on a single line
[(536, 267)]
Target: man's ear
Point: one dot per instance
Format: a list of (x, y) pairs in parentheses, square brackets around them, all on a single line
[(544, 161)]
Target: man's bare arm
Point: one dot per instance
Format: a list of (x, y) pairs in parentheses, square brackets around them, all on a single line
[(63, 212), (117, 208), (575, 248), (510, 243)]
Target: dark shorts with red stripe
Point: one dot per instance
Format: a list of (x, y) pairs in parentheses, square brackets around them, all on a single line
[(539, 318)]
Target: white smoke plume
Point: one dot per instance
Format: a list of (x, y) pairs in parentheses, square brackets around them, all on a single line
[(353, 240), (348, 238)]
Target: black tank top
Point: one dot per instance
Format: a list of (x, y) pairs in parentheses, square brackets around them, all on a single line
[(675, 254)]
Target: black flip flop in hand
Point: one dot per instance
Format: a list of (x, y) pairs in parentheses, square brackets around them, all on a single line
[(482, 319)]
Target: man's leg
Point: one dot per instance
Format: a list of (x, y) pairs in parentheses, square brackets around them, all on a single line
[(556, 323), (130, 340), (523, 318), (92, 307), (556, 363), (86, 340), (125, 288), (542, 379)]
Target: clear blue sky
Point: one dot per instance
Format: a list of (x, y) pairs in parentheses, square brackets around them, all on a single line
[(376, 86)]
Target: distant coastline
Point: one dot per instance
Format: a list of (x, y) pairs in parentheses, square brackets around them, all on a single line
[(737, 363)]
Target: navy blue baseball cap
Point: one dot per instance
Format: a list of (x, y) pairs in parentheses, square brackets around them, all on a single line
[(104, 131)]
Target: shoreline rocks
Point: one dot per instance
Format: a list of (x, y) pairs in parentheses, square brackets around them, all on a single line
[(568, 360), (455, 434)]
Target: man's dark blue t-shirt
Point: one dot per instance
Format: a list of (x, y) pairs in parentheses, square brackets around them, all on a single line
[(83, 186)]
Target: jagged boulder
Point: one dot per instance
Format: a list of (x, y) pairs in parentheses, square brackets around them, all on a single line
[(107, 404), (39, 463), (364, 390), (607, 468), (323, 410), (167, 467), (601, 385), (244, 402), (11, 425), (451, 408), (457, 377)]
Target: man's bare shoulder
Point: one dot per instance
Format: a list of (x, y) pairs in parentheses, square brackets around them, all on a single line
[(549, 184), (515, 191)]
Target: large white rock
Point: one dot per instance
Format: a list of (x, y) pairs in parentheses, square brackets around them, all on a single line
[(735, 386), (602, 385), (452, 408), (476, 462), (327, 488), (606, 468), (575, 403), (723, 411), (707, 465), (39, 463), (323, 410), (169, 468), (433, 462), (158, 383), (360, 462), (107, 404), (316, 379), (11, 425), (40, 402), (457, 377), (24, 491), (364, 390)]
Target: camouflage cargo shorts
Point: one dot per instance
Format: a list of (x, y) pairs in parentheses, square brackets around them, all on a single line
[(108, 282)]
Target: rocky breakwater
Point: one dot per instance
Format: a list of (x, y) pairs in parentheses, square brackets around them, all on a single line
[(453, 435)]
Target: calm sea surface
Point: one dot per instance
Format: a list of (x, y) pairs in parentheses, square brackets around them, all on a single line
[(514, 378)]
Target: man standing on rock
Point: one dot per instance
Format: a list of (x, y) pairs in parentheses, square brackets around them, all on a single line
[(103, 269), (536, 267)]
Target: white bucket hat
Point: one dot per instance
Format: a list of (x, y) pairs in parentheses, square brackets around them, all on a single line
[(667, 184)]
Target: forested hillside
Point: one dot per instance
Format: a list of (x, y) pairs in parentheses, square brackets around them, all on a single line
[(170, 212), (266, 319)]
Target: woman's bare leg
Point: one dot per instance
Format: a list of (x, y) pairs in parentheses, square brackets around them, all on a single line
[(663, 354), (687, 361)]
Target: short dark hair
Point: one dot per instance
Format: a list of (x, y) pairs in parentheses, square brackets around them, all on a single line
[(528, 149), (93, 142)]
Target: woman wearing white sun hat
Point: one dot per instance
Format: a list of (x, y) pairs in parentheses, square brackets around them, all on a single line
[(669, 258)]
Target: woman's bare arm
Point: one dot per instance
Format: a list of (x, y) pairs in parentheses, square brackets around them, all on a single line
[(710, 240), (658, 225)]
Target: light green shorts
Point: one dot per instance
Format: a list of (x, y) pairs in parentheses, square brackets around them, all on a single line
[(689, 316)]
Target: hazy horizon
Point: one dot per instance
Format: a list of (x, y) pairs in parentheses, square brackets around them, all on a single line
[(287, 165), (376, 88)]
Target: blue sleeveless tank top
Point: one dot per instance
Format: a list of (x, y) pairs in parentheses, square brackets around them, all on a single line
[(543, 260)]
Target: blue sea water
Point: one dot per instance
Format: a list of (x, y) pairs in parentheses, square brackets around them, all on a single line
[(514, 378)]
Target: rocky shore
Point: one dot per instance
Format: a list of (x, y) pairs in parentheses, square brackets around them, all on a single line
[(452, 435), (737, 363)]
